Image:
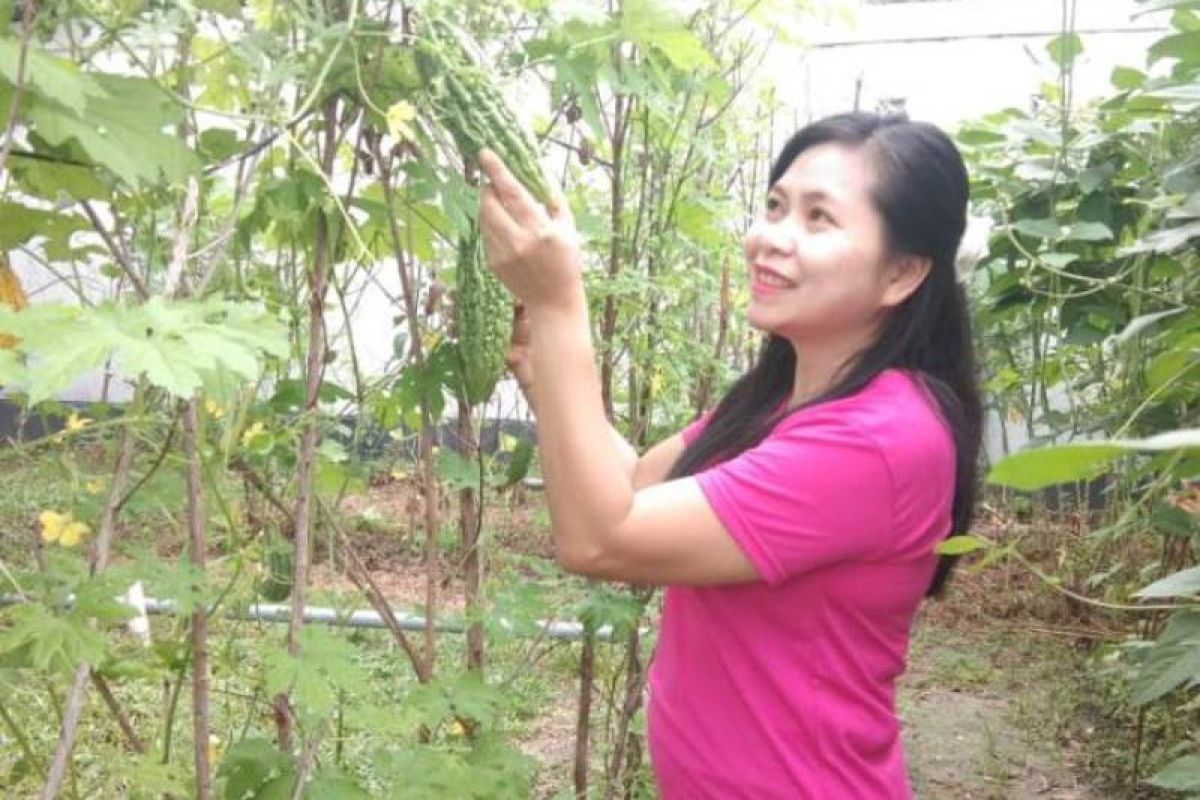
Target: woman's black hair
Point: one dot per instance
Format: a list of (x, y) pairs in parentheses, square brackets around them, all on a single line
[(921, 191)]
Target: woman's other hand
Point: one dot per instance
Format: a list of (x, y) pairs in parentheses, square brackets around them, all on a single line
[(519, 357)]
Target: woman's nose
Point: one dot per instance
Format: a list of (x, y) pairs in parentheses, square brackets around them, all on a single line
[(775, 237)]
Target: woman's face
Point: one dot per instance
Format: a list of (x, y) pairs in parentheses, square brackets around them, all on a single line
[(816, 256)]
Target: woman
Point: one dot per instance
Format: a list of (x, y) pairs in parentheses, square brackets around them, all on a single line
[(796, 523)]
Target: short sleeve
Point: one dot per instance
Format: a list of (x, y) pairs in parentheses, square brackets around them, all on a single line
[(809, 496), (695, 427)]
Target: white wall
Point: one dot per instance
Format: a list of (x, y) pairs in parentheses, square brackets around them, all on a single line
[(946, 82)]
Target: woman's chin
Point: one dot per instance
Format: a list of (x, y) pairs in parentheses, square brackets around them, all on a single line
[(760, 321)]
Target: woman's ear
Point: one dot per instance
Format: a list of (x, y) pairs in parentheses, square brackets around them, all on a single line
[(904, 275)]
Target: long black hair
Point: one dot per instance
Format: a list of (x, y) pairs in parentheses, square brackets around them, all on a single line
[(921, 191)]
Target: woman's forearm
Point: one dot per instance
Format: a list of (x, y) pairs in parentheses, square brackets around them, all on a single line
[(588, 473), (629, 456)]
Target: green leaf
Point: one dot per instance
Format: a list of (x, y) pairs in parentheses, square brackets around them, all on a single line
[(961, 545), (1095, 177), (218, 144), (606, 604), (1141, 323), (1035, 169), (20, 224), (122, 130), (1058, 260), (458, 472), (697, 221), (975, 136), (52, 179), (330, 783), (424, 773), (177, 345), (226, 8), (1185, 20), (1185, 583), (1167, 668), (12, 371), (1040, 228), (1127, 78), (519, 462), (684, 48), (48, 79), (1035, 469), (1065, 49), (499, 769), (1186, 94), (1023, 131), (474, 699), (655, 24), (1089, 232), (154, 778), (1171, 520), (1184, 46), (1148, 6), (1164, 241), (249, 765), (182, 582), (1182, 774), (36, 637), (326, 665)]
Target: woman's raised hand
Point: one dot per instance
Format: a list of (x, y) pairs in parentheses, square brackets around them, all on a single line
[(533, 250)]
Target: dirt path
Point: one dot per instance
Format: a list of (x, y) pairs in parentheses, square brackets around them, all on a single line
[(979, 710)]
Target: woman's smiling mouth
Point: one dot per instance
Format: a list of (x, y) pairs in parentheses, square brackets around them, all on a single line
[(767, 280)]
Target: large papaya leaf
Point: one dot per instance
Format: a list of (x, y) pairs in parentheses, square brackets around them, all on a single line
[(55, 79), (117, 121), (122, 130), (178, 346)]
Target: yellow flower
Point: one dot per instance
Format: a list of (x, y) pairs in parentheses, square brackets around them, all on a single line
[(61, 528), (214, 409), (94, 487), (76, 422), (251, 434), (214, 748), (51, 522), (398, 116)]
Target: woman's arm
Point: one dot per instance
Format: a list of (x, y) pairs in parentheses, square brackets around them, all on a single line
[(603, 526), (643, 471)]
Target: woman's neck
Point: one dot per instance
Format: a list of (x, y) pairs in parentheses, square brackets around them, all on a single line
[(819, 367)]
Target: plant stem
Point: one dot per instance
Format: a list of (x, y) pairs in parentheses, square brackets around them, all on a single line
[(470, 514), (77, 695), (314, 372), (110, 700), (198, 555), (583, 724)]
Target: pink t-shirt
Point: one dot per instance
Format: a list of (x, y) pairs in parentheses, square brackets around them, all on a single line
[(785, 688)]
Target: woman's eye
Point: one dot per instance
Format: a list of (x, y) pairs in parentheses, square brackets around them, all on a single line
[(817, 213), (772, 203)]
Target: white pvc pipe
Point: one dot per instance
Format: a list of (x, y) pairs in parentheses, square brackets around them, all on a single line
[(361, 618)]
